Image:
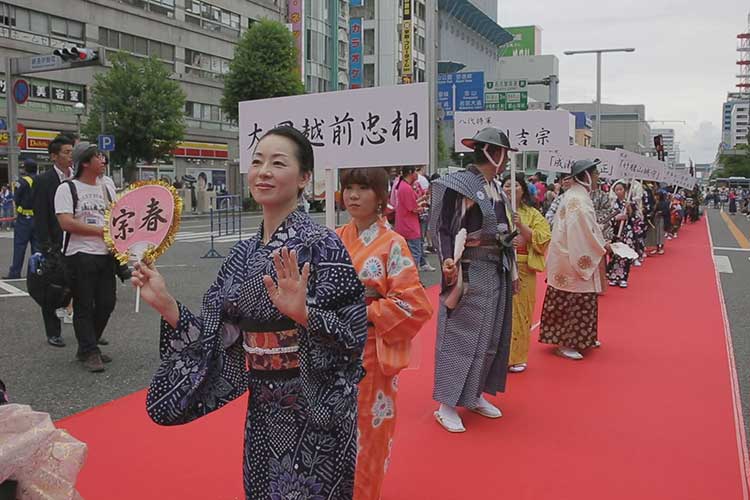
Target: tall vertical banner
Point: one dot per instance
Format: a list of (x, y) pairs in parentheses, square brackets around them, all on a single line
[(357, 3), (355, 53), (297, 22), (407, 33)]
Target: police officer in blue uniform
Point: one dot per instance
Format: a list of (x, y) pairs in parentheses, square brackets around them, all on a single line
[(23, 233)]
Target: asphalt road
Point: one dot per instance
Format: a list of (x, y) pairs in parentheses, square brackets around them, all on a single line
[(49, 379), (734, 284)]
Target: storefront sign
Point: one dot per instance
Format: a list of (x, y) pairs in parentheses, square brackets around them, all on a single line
[(355, 53), (297, 21), (407, 30), (212, 150), (39, 140)]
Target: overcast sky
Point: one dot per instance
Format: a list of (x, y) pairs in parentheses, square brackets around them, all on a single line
[(682, 69)]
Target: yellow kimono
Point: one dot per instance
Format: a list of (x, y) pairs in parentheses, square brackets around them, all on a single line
[(397, 307), (530, 260)]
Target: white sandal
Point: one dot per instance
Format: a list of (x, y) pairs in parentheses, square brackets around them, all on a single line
[(448, 424), (569, 353), (517, 368)]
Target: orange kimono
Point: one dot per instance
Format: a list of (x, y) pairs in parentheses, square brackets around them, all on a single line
[(397, 307)]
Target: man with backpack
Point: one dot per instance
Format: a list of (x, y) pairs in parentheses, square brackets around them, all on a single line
[(47, 230), (80, 205)]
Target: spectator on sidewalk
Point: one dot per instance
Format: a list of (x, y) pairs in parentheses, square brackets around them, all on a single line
[(47, 230), (80, 205), (23, 232), (6, 207)]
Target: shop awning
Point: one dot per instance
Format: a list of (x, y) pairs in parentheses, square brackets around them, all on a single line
[(467, 13)]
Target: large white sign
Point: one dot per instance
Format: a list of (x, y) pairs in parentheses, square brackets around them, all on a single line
[(527, 130), (380, 126), (635, 166), (562, 159)]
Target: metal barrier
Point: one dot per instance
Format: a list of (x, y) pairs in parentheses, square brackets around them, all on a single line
[(226, 220)]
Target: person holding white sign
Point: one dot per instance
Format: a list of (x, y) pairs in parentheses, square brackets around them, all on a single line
[(285, 319), (570, 311), (472, 227), (533, 241)]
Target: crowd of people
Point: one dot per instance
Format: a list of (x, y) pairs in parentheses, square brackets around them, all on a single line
[(317, 324), (59, 216), (734, 199)]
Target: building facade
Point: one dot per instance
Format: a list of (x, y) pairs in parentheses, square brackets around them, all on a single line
[(738, 127), (195, 39), (623, 125), (583, 129)]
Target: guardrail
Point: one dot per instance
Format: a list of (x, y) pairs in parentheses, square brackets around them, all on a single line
[(226, 220)]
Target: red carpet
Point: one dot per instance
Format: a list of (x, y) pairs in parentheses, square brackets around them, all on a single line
[(650, 415)]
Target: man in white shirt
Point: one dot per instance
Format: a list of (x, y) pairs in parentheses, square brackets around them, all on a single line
[(80, 205)]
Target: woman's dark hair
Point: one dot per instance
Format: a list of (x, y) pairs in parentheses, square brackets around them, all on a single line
[(434, 177), (303, 149), (408, 170), (375, 178), (521, 180)]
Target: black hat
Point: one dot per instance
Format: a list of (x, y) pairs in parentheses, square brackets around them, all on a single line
[(581, 166), (29, 163), (489, 135)]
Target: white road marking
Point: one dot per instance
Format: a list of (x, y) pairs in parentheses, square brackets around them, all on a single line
[(6, 235), (732, 249), (12, 291), (723, 264)]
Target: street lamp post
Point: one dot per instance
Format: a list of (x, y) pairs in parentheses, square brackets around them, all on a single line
[(598, 53), (462, 159), (78, 109)]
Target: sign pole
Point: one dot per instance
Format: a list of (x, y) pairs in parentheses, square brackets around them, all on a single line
[(512, 181), (330, 197), (12, 119)]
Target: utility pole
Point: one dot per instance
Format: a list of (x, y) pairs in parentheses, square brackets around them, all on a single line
[(431, 23)]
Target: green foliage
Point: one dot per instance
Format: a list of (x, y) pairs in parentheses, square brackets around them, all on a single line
[(734, 165), (264, 65), (143, 108), (444, 152)]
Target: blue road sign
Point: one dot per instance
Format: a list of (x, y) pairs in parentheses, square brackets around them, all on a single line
[(21, 91), (106, 142), (469, 92), (3, 124)]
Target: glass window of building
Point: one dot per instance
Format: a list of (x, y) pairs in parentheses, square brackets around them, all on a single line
[(39, 23), (137, 45), (369, 42), (211, 17), (163, 7), (205, 65)]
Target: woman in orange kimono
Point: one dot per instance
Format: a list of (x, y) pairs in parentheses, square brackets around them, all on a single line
[(397, 307)]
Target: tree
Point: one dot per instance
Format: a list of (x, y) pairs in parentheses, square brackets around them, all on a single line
[(142, 107), (734, 164), (264, 65)]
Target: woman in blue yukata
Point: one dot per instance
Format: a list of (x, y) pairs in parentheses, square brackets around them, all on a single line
[(288, 304)]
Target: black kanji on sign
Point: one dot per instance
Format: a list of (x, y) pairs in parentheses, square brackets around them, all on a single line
[(542, 137), (314, 131), (373, 133), (342, 127), (412, 126), (254, 136), (153, 216), (396, 132), (122, 222), (522, 137)]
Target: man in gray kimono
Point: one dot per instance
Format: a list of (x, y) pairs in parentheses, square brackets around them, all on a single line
[(474, 322)]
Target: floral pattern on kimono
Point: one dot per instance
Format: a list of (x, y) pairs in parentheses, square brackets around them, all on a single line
[(300, 435), (618, 268), (397, 308)]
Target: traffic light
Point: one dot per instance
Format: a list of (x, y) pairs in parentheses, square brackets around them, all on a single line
[(77, 55)]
